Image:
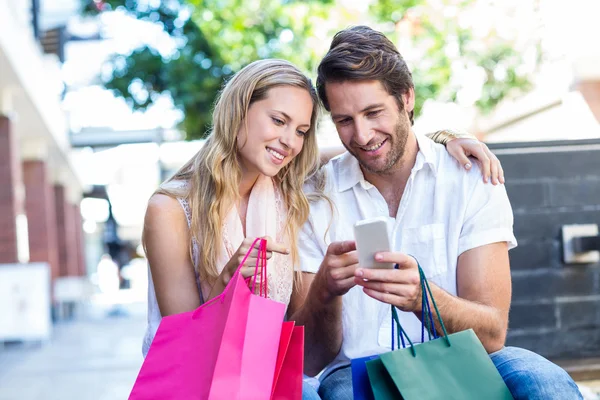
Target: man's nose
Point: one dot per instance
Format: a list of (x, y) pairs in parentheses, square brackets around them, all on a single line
[(363, 133)]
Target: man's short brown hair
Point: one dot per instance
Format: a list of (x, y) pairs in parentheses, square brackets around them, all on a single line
[(360, 53)]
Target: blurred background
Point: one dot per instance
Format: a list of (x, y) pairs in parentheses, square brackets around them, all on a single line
[(100, 101)]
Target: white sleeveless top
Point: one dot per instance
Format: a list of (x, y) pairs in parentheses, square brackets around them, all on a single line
[(279, 281)]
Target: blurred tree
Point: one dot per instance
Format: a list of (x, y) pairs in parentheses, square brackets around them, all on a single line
[(215, 38), (449, 62)]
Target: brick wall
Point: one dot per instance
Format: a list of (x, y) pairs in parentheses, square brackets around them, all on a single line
[(555, 307), (10, 201), (61, 237), (79, 238), (72, 241), (41, 215), (66, 237)]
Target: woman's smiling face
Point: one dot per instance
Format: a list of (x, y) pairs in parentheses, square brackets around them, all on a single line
[(272, 133)]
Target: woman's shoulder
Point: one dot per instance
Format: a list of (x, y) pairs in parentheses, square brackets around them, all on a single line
[(163, 207), (161, 201)]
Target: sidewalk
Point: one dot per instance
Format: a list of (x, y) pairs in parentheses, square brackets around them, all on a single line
[(94, 357)]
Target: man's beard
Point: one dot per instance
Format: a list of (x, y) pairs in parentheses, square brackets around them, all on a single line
[(394, 156)]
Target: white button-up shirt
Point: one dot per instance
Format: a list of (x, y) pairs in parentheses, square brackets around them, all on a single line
[(445, 211)]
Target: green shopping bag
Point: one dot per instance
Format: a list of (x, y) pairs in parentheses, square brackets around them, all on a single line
[(453, 366)]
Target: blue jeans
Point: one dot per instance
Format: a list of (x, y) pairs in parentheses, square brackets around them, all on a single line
[(527, 375), (309, 393), (531, 376)]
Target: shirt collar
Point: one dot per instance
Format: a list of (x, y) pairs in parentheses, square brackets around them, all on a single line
[(350, 174), (427, 153)]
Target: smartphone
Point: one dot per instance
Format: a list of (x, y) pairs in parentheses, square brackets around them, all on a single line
[(372, 237)]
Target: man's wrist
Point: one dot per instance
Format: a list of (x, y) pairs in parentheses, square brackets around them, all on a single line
[(321, 292)]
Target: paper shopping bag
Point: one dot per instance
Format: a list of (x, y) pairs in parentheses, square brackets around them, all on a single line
[(284, 341), (287, 384), (454, 366), (361, 388), (226, 348)]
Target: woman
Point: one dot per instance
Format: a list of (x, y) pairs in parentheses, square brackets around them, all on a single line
[(245, 182)]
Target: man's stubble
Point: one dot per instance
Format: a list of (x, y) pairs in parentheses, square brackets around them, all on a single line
[(394, 156)]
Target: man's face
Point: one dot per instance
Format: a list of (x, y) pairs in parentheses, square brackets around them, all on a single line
[(369, 123)]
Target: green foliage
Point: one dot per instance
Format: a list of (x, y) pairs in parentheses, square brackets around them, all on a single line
[(216, 38), (445, 47), (192, 76), (219, 39), (392, 10)]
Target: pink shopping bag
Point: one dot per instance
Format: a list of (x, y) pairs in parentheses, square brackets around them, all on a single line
[(225, 349), (287, 384), (284, 342)]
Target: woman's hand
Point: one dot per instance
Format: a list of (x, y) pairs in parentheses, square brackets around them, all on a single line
[(462, 148), (249, 266)]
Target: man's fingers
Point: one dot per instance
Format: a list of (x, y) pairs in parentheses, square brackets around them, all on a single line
[(392, 276), (339, 274), (339, 248), (376, 274), (385, 297), (346, 284), (398, 289), (403, 260), (344, 260)]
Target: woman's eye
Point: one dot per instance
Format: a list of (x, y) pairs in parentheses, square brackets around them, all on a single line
[(301, 133), (277, 121)]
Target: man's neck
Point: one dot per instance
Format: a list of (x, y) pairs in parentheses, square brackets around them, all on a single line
[(391, 184)]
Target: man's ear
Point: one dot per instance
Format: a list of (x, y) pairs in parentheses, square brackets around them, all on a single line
[(408, 99)]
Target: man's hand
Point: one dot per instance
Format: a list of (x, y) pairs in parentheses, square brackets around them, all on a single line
[(317, 304), (400, 287), (337, 268)]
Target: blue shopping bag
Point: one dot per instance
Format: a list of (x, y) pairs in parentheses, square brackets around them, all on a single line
[(361, 387)]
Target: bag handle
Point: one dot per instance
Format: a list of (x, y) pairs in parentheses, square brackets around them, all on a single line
[(262, 245), (262, 259), (437, 312), (427, 318)]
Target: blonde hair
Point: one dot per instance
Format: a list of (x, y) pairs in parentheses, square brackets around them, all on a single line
[(214, 173)]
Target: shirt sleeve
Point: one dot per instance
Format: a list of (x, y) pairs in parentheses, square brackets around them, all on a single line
[(310, 248), (488, 218), (315, 232)]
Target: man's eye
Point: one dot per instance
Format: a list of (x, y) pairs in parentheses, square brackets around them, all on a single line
[(343, 121), (373, 113)]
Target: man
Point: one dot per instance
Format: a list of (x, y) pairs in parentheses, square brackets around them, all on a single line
[(458, 228)]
